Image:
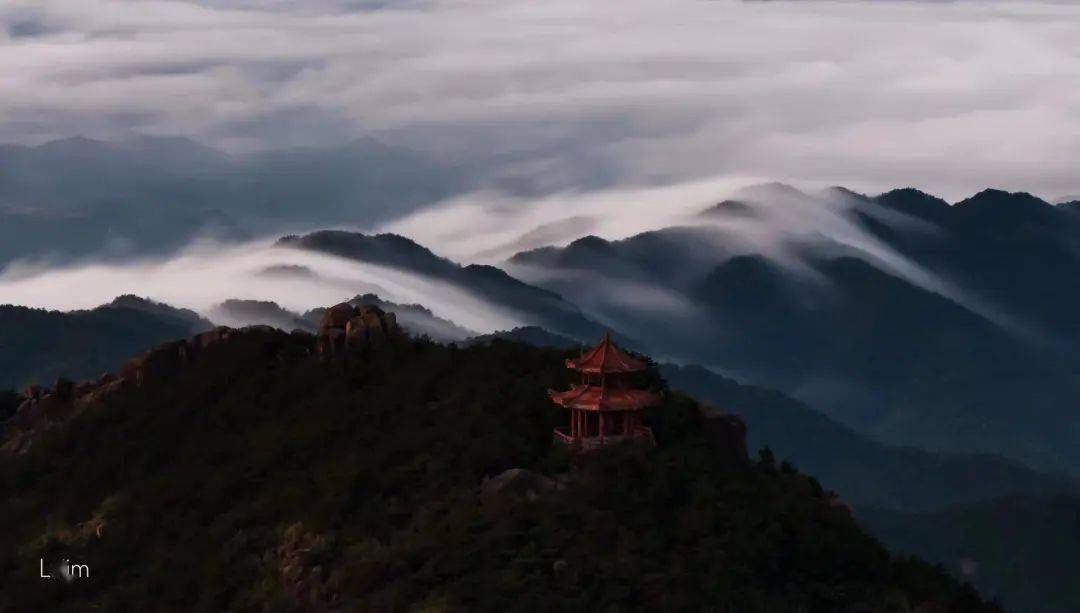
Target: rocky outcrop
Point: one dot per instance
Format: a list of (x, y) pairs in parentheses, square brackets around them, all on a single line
[(41, 407), (298, 565), (344, 327), (348, 329), (33, 392), (338, 316), (415, 319)]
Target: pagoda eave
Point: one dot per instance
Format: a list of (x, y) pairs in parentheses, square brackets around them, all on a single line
[(591, 398), (606, 358)]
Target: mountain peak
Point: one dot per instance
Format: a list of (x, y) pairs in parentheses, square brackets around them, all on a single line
[(589, 242), (158, 309), (999, 207), (729, 208), (999, 197), (914, 202), (384, 249), (843, 192), (771, 191)]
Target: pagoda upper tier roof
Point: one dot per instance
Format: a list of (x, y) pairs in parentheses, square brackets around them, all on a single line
[(596, 398), (607, 358)]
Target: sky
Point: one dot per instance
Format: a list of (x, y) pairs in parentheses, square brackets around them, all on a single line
[(950, 97)]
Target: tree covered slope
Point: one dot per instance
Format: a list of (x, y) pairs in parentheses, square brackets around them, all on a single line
[(37, 346), (258, 478)]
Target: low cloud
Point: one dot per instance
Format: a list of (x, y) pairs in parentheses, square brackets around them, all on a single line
[(783, 224), (490, 227), (206, 275)]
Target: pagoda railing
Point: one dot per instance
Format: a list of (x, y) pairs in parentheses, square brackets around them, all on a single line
[(639, 433), (560, 435)]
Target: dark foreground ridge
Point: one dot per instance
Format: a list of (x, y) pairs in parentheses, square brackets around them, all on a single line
[(254, 474)]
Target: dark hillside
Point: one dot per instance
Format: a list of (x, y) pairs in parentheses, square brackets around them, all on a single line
[(256, 478), (864, 471), (1023, 550), (37, 346)]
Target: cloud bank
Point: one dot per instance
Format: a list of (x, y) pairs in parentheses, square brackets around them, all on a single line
[(207, 274), (949, 97)]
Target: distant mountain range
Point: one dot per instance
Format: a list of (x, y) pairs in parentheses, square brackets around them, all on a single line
[(78, 196), (919, 357), (1021, 550), (909, 320), (918, 322), (491, 284), (864, 471)]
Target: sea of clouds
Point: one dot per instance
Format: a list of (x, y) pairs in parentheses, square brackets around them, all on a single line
[(621, 117), (951, 97)]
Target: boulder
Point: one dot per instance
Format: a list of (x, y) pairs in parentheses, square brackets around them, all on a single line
[(359, 328), (337, 316), (103, 390), (370, 327), (376, 324), (330, 342), (160, 362), (356, 328)]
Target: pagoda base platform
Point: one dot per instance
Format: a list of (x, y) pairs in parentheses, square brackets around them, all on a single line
[(640, 434)]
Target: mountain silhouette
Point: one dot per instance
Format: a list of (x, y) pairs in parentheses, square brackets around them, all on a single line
[(537, 306)]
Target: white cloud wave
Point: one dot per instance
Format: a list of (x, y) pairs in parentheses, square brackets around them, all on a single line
[(207, 274)]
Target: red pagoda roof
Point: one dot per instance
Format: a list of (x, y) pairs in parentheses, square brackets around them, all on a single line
[(595, 398), (607, 358)]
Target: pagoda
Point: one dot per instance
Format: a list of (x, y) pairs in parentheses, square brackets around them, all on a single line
[(606, 406)]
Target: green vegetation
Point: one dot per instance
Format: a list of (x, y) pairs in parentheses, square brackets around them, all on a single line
[(37, 346), (261, 480)]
